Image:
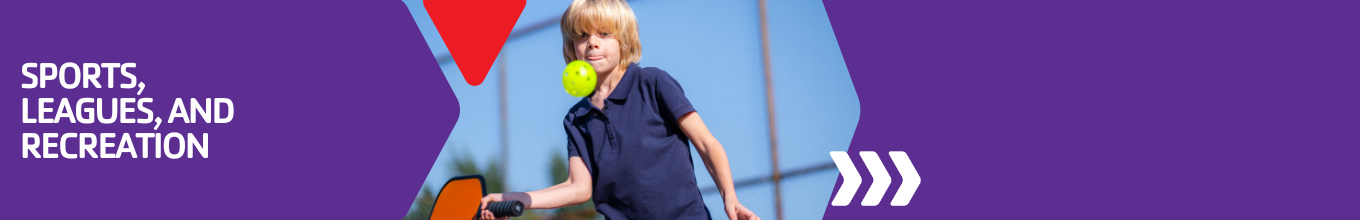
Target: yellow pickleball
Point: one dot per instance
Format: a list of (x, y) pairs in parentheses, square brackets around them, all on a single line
[(579, 78)]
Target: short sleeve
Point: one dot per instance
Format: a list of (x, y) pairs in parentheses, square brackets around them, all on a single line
[(671, 96), (573, 136)]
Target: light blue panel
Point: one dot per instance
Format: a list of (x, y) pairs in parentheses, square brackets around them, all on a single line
[(806, 197), (713, 49), (817, 108), (539, 10)]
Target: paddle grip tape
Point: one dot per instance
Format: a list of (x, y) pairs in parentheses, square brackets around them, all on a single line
[(510, 208)]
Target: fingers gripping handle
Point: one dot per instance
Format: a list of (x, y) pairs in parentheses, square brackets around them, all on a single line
[(510, 208)]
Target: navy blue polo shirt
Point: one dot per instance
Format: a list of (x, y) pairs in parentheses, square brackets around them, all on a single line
[(637, 155)]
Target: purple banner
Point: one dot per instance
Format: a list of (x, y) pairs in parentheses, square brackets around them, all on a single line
[(1008, 109), (339, 109), (1107, 110)]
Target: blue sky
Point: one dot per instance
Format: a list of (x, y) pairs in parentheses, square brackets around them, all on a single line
[(713, 49)]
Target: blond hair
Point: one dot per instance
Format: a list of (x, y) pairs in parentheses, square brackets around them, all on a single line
[(609, 16)]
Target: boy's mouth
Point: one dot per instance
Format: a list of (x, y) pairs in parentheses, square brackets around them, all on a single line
[(594, 58)]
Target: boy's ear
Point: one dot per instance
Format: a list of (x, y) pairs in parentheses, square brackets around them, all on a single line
[(461, 198)]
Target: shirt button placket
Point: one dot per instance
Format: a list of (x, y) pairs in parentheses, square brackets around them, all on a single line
[(609, 127)]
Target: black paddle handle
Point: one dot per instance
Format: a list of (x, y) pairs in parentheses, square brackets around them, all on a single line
[(511, 208)]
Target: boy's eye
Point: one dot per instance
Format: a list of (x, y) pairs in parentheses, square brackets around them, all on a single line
[(583, 35)]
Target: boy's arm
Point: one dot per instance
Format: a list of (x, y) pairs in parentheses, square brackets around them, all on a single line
[(715, 159), (576, 190)]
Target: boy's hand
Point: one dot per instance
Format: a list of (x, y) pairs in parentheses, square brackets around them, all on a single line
[(736, 211), (494, 197)]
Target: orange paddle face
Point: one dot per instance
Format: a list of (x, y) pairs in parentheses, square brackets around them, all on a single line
[(460, 199)]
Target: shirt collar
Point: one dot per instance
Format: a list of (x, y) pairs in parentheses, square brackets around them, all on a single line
[(583, 107), (626, 84), (621, 90)]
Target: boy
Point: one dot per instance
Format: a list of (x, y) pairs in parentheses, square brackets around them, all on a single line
[(628, 142)]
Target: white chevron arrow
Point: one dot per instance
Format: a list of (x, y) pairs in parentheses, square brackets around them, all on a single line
[(881, 178), (851, 182), (910, 179)]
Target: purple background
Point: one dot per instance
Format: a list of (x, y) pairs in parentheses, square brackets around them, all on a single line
[(341, 109), (1052, 109), (1095, 110)]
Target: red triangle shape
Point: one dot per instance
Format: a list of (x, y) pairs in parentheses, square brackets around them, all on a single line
[(474, 31)]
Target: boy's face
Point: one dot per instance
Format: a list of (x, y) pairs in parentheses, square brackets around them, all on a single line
[(599, 49)]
